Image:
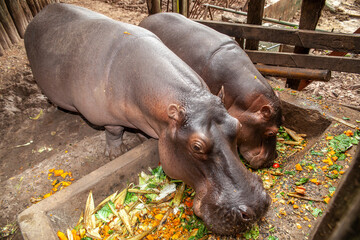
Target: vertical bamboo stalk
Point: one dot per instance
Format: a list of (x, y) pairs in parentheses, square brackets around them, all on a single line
[(7, 22)]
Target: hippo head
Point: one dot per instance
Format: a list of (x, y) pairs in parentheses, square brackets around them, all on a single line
[(261, 122), (199, 147)]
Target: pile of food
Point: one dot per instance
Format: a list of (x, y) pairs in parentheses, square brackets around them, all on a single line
[(156, 208)]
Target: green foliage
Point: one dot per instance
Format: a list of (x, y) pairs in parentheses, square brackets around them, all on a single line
[(316, 153), (342, 142), (301, 181), (253, 233), (335, 167), (290, 172), (196, 223), (273, 238), (316, 212), (332, 189), (130, 197), (104, 213)]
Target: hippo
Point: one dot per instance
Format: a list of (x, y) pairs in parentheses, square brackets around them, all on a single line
[(221, 62), (119, 75)]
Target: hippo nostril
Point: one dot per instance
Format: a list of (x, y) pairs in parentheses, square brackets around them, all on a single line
[(245, 216), (246, 213)]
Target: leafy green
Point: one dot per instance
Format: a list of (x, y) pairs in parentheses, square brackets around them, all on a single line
[(342, 142), (316, 153), (104, 213), (159, 173), (273, 238), (278, 89), (130, 197), (86, 238), (333, 176), (301, 181), (332, 189), (335, 167), (290, 172), (253, 233), (195, 222), (346, 118), (316, 212)]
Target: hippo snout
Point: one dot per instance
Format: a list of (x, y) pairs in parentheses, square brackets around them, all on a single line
[(229, 218)]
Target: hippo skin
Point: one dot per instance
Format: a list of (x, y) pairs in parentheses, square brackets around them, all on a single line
[(119, 75), (221, 62)]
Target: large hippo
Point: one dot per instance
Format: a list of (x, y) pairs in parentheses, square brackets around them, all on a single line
[(221, 62), (119, 75)]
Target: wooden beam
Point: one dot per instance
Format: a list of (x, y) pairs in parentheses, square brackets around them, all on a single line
[(303, 38), (342, 64), (295, 73), (310, 14), (255, 15)]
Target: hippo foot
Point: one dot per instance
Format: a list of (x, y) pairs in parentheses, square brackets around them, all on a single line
[(115, 151)]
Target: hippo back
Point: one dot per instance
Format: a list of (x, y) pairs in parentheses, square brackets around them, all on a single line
[(221, 62)]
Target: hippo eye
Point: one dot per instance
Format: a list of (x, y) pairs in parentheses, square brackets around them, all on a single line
[(197, 147), (271, 134)]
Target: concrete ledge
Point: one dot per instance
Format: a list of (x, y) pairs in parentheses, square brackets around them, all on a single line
[(62, 210)]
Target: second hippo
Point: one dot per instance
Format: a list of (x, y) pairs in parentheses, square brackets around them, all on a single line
[(221, 62)]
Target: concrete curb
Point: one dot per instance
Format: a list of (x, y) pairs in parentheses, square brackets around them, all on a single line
[(62, 210)]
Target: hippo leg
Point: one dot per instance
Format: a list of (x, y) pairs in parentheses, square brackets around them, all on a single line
[(114, 141)]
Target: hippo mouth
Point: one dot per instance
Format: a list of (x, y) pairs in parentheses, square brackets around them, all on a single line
[(226, 218), (262, 159)]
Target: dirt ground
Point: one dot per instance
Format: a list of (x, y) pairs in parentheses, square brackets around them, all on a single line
[(36, 136)]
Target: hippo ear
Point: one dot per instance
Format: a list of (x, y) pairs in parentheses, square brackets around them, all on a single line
[(176, 112), (221, 94), (266, 111)]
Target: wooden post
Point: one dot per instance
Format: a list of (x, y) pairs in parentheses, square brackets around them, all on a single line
[(310, 14), (153, 6), (255, 15), (184, 7), (175, 6)]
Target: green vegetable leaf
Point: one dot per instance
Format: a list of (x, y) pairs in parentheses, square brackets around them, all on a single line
[(104, 213), (86, 238), (346, 118), (130, 197), (301, 181), (253, 233), (335, 167), (316, 212), (273, 238), (316, 153), (332, 189), (333, 176), (290, 172)]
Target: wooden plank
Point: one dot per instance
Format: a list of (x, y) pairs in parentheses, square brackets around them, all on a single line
[(295, 73), (342, 64), (255, 15), (305, 83), (304, 38), (310, 14)]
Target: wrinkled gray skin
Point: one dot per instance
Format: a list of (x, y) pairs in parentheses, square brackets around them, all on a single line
[(221, 62), (119, 75)]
